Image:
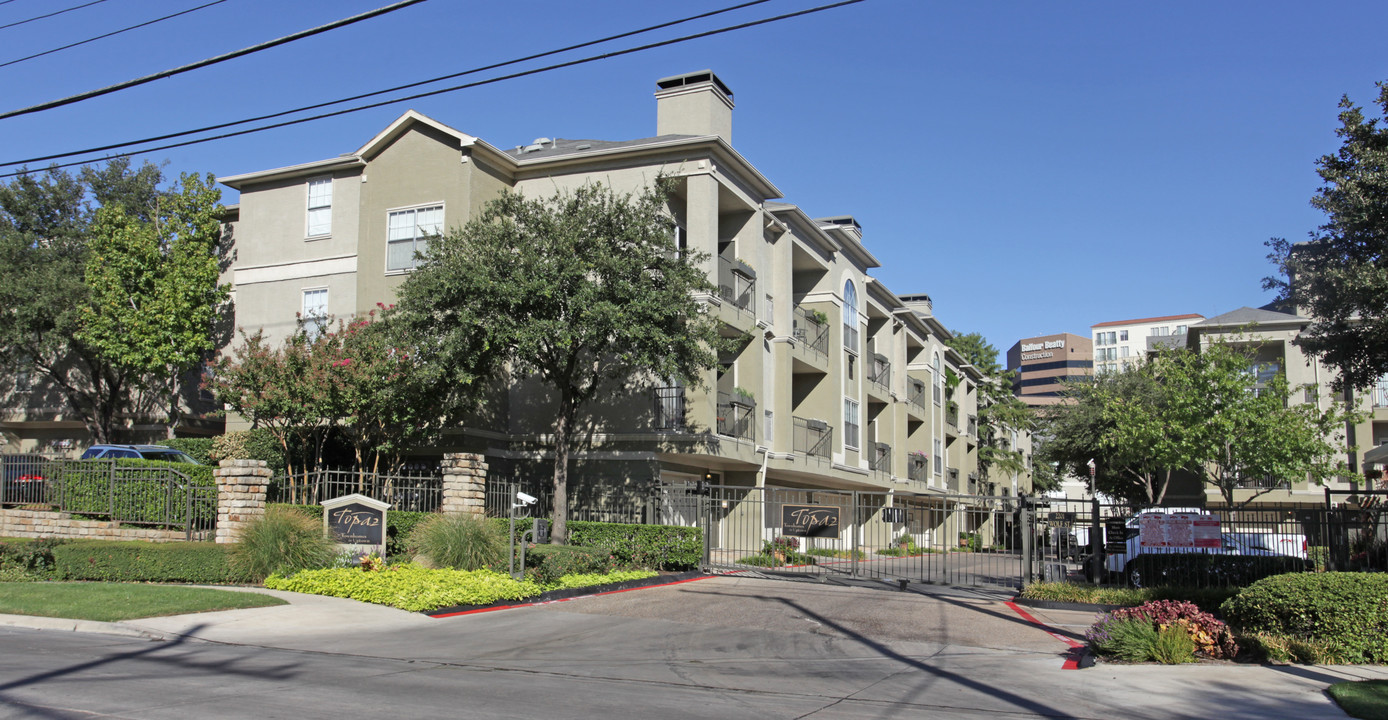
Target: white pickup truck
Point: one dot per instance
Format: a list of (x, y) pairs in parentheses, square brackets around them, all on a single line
[(1180, 530)]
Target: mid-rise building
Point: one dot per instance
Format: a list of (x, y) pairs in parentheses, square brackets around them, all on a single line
[(842, 384), (1118, 344), (1042, 365)]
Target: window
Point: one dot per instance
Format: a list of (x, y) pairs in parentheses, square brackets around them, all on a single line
[(320, 207), (408, 233), (1123, 335), (1123, 351), (1162, 331), (939, 457), (850, 424), (770, 426), (850, 364), (314, 316), (850, 317), (1180, 329), (1106, 338)]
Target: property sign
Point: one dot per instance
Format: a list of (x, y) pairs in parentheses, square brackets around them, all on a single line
[(894, 515), (1180, 530), (357, 522), (1115, 535), (810, 520)]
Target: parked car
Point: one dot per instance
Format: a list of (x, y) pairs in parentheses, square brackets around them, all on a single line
[(147, 452), (1247, 544), (23, 478)]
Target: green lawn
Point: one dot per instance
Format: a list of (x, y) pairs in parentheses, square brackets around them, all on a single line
[(110, 602), (1365, 699)]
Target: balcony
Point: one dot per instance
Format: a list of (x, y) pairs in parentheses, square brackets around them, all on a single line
[(736, 416), (811, 329), (1381, 393), (1262, 483), (813, 438), (880, 461), (880, 373), (668, 409), (917, 468), (915, 393), (972, 428), (973, 483), (737, 284), (952, 418), (953, 480)]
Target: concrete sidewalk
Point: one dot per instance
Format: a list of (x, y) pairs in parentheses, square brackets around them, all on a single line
[(946, 652)]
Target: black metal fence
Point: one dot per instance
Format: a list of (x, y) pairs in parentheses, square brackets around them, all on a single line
[(420, 491), (127, 493)]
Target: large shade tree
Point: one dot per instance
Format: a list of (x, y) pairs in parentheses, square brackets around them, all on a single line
[(109, 287), (1340, 276), (999, 411), (584, 290)]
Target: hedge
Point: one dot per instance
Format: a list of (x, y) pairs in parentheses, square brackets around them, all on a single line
[(198, 448), (545, 564), (136, 561), (1205, 569), (1344, 613), (659, 547), (141, 497)]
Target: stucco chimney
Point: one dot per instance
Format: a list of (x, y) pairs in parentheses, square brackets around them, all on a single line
[(696, 103)]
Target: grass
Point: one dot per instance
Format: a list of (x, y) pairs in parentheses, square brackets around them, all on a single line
[(1209, 599), (1364, 699), (111, 602)]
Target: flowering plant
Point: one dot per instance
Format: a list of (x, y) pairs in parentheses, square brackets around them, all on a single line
[(1211, 637), (782, 544)]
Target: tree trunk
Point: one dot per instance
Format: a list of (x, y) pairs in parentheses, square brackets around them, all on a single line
[(563, 426)]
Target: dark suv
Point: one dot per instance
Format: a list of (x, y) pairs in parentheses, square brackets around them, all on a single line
[(147, 452)]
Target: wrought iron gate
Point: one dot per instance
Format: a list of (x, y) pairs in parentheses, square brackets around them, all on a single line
[(949, 539)]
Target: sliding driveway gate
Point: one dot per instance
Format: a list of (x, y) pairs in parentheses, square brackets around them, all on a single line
[(953, 539)]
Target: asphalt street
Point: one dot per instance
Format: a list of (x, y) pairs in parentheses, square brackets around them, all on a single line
[(716, 648)]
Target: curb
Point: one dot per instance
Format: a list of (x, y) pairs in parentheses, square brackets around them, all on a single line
[(570, 594), (36, 622)]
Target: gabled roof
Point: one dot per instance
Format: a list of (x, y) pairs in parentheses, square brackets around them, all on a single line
[(1247, 316)]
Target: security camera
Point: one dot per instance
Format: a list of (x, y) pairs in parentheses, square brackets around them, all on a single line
[(525, 498)]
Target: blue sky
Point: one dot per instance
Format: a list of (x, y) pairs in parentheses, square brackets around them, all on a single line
[(1035, 167)]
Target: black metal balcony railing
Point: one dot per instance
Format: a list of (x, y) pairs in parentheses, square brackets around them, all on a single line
[(917, 468), (735, 416), (1381, 394), (881, 371), (814, 438), (810, 331), (881, 459), (915, 394), (737, 285), (668, 409), (1262, 483), (952, 417)]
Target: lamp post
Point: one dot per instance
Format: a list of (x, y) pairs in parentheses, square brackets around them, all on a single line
[(1095, 530)]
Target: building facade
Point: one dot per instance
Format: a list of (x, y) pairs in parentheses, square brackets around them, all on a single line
[(1118, 344), (1041, 365), (841, 384)]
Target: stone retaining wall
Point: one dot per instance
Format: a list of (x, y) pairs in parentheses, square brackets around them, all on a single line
[(46, 523), (241, 486)]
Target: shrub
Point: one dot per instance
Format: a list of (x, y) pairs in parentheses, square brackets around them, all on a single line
[(1158, 569), (257, 444), (1207, 599), (409, 586), (1278, 648), (545, 564), (135, 561), (660, 547), (31, 559), (1122, 638), (1345, 613), (282, 541), (461, 542), (830, 553), (970, 541), (782, 544), (1211, 637), (1174, 644), (399, 525)]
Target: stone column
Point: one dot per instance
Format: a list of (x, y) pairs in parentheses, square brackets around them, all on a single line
[(241, 486), (464, 484)]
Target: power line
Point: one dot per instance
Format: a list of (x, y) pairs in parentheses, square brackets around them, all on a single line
[(49, 15), (221, 126), (109, 34), (512, 76), (210, 61)]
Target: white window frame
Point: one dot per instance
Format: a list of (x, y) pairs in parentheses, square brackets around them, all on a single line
[(414, 240), (325, 204), (314, 323), (854, 414)]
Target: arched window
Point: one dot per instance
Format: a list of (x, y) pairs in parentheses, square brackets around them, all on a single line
[(850, 317)]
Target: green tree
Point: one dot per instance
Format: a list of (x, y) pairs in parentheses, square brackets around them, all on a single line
[(584, 290), (1340, 277), (999, 411), (108, 286)]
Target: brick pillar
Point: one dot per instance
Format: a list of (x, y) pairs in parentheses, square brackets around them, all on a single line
[(241, 488), (464, 484)]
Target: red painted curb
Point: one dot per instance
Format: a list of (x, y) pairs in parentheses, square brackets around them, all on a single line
[(579, 597), (1072, 658)]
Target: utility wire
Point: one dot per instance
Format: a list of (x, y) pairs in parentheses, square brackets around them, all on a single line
[(512, 76), (209, 128), (210, 61), (109, 34), (49, 15)]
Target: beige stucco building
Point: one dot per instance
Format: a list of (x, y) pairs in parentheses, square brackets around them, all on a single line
[(841, 385), (1120, 344)]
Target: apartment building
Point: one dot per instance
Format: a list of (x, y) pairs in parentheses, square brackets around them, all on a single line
[(841, 384), (1042, 365), (1120, 343)]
